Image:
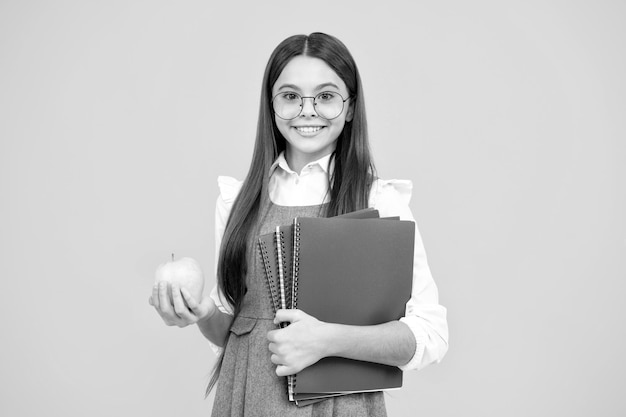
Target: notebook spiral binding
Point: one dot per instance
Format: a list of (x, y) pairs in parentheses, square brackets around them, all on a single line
[(271, 286), (296, 263), (287, 277), (279, 237), (295, 269), (280, 251)]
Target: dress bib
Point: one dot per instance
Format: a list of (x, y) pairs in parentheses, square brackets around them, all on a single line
[(248, 385)]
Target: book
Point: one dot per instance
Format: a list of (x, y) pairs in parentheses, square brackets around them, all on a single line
[(373, 249), (276, 251), (270, 243), (356, 273)]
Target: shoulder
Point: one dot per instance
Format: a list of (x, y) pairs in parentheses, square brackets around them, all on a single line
[(396, 190), (391, 197), (229, 188)]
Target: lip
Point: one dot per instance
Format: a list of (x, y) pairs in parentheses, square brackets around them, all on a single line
[(308, 130)]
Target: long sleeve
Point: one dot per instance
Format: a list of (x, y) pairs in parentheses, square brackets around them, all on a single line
[(229, 188), (424, 315)]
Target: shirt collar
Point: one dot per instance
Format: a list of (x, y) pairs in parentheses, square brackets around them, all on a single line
[(323, 163)]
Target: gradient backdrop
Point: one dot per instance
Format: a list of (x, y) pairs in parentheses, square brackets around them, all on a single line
[(116, 118)]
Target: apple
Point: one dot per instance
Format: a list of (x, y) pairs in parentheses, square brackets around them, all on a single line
[(184, 272)]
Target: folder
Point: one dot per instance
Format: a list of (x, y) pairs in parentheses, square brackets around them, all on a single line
[(357, 273), (282, 239), (276, 251), (341, 270)]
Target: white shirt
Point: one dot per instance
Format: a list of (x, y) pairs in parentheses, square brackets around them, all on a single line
[(424, 315)]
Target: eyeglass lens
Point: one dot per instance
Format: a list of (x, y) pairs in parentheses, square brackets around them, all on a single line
[(289, 105)]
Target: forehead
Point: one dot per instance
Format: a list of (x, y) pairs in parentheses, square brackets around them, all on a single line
[(308, 74)]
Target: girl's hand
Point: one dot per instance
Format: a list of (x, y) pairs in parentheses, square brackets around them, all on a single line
[(181, 310), (298, 345)]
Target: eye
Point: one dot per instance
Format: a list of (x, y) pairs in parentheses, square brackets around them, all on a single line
[(290, 96), (326, 96)]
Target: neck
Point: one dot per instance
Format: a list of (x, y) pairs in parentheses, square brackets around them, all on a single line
[(297, 161)]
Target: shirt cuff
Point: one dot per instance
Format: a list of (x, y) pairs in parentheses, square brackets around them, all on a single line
[(222, 305), (224, 308), (420, 343), (215, 348)]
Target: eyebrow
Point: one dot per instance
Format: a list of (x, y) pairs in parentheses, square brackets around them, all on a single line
[(319, 87)]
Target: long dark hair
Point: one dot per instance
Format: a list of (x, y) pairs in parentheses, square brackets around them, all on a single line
[(349, 184)]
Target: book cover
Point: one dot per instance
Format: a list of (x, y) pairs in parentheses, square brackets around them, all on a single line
[(355, 273)]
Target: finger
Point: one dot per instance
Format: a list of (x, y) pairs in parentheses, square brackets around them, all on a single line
[(153, 300), (190, 302), (179, 306), (287, 315), (282, 370), (155, 296), (275, 360), (271, 335), (203, 310), (273, 348), (166, 309), (165, 305)]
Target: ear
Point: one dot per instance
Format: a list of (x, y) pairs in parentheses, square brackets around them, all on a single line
[(350, 113)]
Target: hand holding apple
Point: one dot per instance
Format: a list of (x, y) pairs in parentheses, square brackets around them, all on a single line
[(172, 293), (185, 273)]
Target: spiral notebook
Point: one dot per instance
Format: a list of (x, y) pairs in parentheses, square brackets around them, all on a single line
[(357, 273), (282, 238), (276, 251), (329, 267)]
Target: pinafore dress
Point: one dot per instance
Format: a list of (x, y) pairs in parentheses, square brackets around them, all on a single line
[(248, 385)]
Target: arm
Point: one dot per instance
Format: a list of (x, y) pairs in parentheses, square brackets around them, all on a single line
[(415, 341), (215, 328), (389, 343), (210, 314), (182, 310), (424, 316), (307, 340)]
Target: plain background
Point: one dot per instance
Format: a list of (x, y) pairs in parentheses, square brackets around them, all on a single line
[(116, 118)]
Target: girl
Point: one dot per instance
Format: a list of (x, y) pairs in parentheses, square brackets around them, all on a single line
[(311, 158)]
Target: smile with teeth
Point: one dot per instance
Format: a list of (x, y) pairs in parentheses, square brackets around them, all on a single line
[(309, 129)]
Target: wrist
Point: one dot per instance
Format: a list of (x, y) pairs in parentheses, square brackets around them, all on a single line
[(329, 339)]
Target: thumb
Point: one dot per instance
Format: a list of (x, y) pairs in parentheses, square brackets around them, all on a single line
[(207, 302), (200, 309), (207, 305), (287, 315)]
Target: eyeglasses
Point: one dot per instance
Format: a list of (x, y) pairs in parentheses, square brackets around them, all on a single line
[(327, 104)]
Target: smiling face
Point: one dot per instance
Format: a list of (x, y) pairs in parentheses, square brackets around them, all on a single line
[(309, 136)]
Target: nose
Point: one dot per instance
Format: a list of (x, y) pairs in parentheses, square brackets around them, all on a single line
[(308, 107)]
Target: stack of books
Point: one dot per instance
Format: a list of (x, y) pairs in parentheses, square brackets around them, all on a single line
[(354, 269)]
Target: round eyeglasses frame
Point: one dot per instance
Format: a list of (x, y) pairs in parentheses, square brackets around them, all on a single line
[(343, 103)]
